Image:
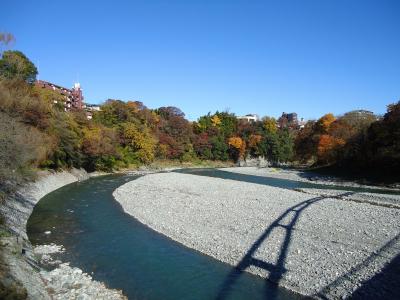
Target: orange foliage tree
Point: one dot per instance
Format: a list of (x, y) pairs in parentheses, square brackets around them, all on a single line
[(237, 146), (324, 123), (328, 147), (253, 144)]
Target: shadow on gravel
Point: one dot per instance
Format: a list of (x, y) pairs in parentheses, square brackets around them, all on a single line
[(276, 270), (279, 182), (383, 285)]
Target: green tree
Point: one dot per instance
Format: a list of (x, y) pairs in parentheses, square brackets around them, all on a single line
[(15, 65), (219, 148)]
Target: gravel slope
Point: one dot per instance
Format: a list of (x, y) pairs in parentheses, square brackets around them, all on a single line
[(314, 245)]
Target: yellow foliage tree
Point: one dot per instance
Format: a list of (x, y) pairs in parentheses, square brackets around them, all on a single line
[(140, 141), (215, 120), (238, 144), (270, 125)]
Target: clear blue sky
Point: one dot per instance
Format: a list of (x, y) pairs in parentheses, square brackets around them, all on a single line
[(264, 57)]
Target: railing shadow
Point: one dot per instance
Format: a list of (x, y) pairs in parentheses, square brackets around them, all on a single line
[(383, 285), (276, 270), (280, 182)]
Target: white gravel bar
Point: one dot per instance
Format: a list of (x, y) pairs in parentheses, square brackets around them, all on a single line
[(319, 246)]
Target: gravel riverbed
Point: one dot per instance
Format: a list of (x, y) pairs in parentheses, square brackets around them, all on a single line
[(316, 245)]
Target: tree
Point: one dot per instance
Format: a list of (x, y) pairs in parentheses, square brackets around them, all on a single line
[(324, 123), (99, 148), (228, 125), (269, 125), (216, 121), (174, 131), (219, 148), (237, 147), (382, 145), (202, 124), (170, 111), (306, 143), (286, 145), (113, 112), (327, 147), (254, 145), (21, 146), (169, 147), (140, 142), (15, 65), (202, 146), (67, 142)]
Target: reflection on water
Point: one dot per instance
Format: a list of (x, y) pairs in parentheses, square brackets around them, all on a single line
[(100, 238)]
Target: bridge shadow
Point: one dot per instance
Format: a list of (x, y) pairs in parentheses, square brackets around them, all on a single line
[(275, 270)]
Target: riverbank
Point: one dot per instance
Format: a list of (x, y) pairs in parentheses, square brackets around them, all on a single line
[(319, 246), (21, 273), (381, 196), (303, 176)]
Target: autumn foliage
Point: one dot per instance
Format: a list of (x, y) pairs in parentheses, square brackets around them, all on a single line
[(127, 133)]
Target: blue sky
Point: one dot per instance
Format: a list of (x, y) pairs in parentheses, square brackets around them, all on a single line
[(264, 57)]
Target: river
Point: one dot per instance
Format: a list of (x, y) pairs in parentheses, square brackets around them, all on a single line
[(117, 249)]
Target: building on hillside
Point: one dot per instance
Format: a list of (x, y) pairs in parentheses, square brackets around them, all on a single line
[(249, 118), (361, 113), (73, 96), (290, 120), (90, 108)]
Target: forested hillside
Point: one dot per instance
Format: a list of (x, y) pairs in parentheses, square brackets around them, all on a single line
[(36, 132)]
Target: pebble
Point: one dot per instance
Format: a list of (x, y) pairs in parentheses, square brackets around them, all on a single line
[(66, 282)]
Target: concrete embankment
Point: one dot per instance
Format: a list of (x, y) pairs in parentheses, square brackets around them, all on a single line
[(321, 246), (20, 264)]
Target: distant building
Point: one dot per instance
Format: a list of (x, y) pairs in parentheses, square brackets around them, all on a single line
[(290, 120), (73, 96), (249, 118), (90, 108), (361, 113)]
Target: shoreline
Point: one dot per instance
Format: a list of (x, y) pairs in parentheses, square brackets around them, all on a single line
[(225, 219), (304, 176), (375, 198), (22, 267)]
